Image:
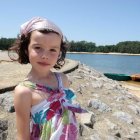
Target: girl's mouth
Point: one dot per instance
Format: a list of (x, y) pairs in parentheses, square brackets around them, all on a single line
[(43, 64)]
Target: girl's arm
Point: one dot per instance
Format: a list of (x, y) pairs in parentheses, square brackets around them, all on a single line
[(22, 104)]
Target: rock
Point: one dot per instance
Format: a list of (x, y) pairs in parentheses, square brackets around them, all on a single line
[(12, 109), (95, 137), (124, 117), (99, 105), (133, 131), (129, 137), (3, 125), (111, 125), (87, 119), (6, 100), (135, 109), (83, 130), (3, 135)]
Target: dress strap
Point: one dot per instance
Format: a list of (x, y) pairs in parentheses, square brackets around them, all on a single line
[(59, 79)]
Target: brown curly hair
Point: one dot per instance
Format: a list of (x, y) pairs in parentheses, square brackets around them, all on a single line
[(20, 46)]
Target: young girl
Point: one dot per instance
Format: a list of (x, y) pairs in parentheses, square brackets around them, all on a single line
[(43, 100)]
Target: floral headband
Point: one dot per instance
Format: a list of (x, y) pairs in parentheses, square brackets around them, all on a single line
[(39, 23)]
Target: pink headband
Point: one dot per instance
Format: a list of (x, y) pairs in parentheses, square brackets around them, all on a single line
[(39, 23)]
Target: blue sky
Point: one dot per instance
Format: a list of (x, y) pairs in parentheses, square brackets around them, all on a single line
[(103, 22)]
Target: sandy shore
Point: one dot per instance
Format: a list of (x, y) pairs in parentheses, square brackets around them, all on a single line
[(132, 86), (4, 55)]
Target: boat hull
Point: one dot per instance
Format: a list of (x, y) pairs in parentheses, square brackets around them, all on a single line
[(135, 77), (118, 77)]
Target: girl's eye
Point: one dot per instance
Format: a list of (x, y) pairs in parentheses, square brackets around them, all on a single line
[(53, 50), (37, 47)]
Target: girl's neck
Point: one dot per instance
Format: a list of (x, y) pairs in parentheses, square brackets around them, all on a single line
[(38, 77)]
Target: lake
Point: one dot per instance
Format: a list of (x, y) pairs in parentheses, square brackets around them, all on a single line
[(110, 63), (126, 64)]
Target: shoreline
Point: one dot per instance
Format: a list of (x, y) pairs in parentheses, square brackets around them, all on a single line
[(132, 87), (111, 53)]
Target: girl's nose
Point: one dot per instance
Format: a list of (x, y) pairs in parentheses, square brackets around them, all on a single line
[(45, 55)]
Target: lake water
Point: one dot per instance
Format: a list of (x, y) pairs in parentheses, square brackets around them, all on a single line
[(125, 64)]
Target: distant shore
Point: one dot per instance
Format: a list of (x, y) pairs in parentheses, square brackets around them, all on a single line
[(111, 53), (4, 54)]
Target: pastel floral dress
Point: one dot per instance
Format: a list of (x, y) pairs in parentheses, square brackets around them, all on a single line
[(54, 118)]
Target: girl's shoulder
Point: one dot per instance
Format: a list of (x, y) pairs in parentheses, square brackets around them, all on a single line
[(21, 90), (22, 101), (64, 79), (22, 97), (27, 85)]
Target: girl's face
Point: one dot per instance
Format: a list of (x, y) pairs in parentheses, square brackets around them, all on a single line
[(43, 50)]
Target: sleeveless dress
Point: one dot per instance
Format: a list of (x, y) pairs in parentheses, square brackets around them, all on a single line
[(54, 118)]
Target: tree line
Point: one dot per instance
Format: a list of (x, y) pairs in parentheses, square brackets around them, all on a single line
[(6, 43), (84, 46), (121, 47)]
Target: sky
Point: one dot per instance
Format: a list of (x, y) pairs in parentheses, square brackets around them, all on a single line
[(104, 22)]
